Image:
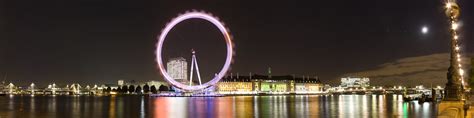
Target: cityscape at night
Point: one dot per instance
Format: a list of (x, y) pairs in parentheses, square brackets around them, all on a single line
[(195, 59)]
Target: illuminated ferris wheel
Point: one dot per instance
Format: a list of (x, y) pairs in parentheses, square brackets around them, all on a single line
[(164, 33)]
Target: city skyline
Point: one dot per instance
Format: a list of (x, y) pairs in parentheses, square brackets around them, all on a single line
[(86, 44)]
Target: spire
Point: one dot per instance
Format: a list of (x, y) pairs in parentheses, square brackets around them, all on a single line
[(269, 72), (194, 64)]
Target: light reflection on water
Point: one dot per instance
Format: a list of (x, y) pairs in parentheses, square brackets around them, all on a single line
[(205, 107)]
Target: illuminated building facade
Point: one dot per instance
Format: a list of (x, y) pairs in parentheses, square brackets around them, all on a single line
[(177, 68), (120, 82), (261, 84), (355, 82)]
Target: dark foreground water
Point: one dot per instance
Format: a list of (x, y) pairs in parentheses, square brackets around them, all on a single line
[(345, 106)]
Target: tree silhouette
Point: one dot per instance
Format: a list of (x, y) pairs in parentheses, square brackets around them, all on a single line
[(138, 90), (153, 89), (146, 88), (124, 89), (163, 88), (131, 88), (119, 89), (108, 89)]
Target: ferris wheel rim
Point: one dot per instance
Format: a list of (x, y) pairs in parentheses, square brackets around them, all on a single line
[(194, 15)]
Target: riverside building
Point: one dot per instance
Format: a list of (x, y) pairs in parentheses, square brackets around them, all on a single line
[(263, 84)]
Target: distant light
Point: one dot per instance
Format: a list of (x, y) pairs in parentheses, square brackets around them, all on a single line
[(455, 26), (424, 30), (456, 37), (448, 5)]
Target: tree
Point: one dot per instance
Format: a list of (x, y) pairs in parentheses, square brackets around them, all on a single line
[(108, 89), (104, 90), (138, 90), (131, 89), (146, 88), (153, 89), (163, 88), (119, 89), (124, 89)]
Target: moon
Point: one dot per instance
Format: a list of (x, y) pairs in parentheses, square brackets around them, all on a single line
[(424, 30)]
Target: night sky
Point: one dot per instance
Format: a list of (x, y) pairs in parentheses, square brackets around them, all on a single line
[(102, 41)]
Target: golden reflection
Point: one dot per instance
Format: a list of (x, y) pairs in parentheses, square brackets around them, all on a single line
[(120, 105), (52, 104), (112, 107), (333, 105), (382, 106), (302, 106), (341, 105), (291, 107), (282, 104), (314, 106), (374, 105), (32, 107), (244, 108), (365, 105), (76, 106)]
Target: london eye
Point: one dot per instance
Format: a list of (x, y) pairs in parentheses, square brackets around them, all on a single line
[(229, 50)]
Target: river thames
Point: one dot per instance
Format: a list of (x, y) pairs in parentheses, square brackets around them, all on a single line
[(295, 106)]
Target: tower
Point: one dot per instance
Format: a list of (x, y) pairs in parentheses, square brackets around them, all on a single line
[(269, 72), (177, 69)]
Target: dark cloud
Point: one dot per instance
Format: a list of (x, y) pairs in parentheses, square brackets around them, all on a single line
[(427, 70)]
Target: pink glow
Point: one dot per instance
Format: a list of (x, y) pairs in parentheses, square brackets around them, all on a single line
[(170, 26)]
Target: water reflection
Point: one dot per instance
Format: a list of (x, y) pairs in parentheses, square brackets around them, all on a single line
[(204, 107)]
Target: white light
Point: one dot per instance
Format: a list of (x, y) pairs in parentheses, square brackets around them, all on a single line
[(461, 72), (456, 37), (424, 30), (457, 48), (169, 26), (448, 5), (454, 26)]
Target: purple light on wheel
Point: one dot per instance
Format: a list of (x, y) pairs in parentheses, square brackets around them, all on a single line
[(164, 33)]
